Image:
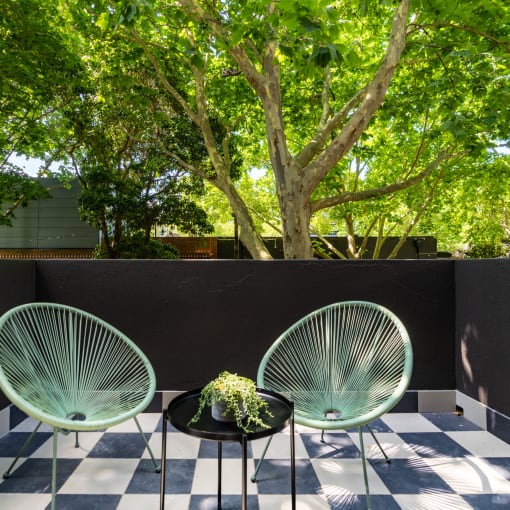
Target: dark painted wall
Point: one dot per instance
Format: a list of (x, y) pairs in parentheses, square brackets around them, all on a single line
[(483, 331), (413, 247), (17, 286), (196, 318)]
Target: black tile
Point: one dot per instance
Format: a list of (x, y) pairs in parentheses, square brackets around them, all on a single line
[(408, 404), (383, 502), (376, 426), (433, 444), (498, 424), (34, 476), (156, 403), (488, 501), (159, 426), (229, 450), (274, 477), (228, 502), (119, 446), (178, 477), (16, 416), (86, 502), (336, 446), (11, 443), (450, 422), (410, 476)]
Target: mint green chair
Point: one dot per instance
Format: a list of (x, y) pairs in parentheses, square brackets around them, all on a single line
[(71, 370), (343, 366)]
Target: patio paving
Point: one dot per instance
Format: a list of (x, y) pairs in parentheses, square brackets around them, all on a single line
[(439, 461)]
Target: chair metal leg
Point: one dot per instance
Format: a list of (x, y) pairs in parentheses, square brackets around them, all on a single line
[(254, 476), (378, 444), (154, 461), (54, 471), (7, 474), (364, 460)]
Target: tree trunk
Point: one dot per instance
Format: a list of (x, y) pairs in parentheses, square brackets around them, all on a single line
[(295, 211), (248, 234)]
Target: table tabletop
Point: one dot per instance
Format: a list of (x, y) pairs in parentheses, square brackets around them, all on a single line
[(182, 409)]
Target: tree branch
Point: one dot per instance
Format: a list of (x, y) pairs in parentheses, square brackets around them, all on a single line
[(465, 28), (162, 78), (317, 142), (372, 99), (358, 196)]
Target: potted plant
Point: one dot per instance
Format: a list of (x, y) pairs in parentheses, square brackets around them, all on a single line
[(233, 398)]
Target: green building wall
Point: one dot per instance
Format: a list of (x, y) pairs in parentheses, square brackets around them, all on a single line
[(50, 223)]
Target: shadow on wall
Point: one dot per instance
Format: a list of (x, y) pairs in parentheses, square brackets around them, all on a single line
[(470, 367)]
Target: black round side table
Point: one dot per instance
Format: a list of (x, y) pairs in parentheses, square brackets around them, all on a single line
[(183, 408)]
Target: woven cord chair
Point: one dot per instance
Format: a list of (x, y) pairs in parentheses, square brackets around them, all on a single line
[(73, 371), (343, 366)]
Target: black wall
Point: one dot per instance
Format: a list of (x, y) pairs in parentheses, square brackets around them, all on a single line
[(413, 247), (483, 331), (17, 286), (196, 318)]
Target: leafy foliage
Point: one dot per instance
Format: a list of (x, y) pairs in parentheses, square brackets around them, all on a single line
[(136, 246), (38, 75), (371, 117), (239, 394)]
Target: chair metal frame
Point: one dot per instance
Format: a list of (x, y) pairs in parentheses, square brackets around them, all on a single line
[(73, 371), (343, 366)]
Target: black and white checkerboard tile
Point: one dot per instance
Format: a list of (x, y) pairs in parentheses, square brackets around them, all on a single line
[(438, 461)]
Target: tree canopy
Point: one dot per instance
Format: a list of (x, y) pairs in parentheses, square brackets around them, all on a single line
[(366, 114), (38, 77), (353, 101)]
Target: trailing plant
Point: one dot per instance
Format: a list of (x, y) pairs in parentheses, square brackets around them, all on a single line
[(239, 394)]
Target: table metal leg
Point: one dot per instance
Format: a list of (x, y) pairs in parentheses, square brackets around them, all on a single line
[(220, 453), (163, 462), (244, 444)]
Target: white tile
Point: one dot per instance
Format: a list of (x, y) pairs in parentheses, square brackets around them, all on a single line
[(151, 501), (342, 478), (469, 475), (283, 502), (24, 501), (394, 446), (474, 411), (66, 448), (5, 420), (279, 447), (100, 476), (29, 424), (205, 480), (300, 429), (481, 443), (436, 401), (155, 444), (5, 462), (431, 502), (178, 446), (409, 422)]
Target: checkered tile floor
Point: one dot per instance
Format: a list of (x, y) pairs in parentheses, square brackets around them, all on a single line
[(439, 462)]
